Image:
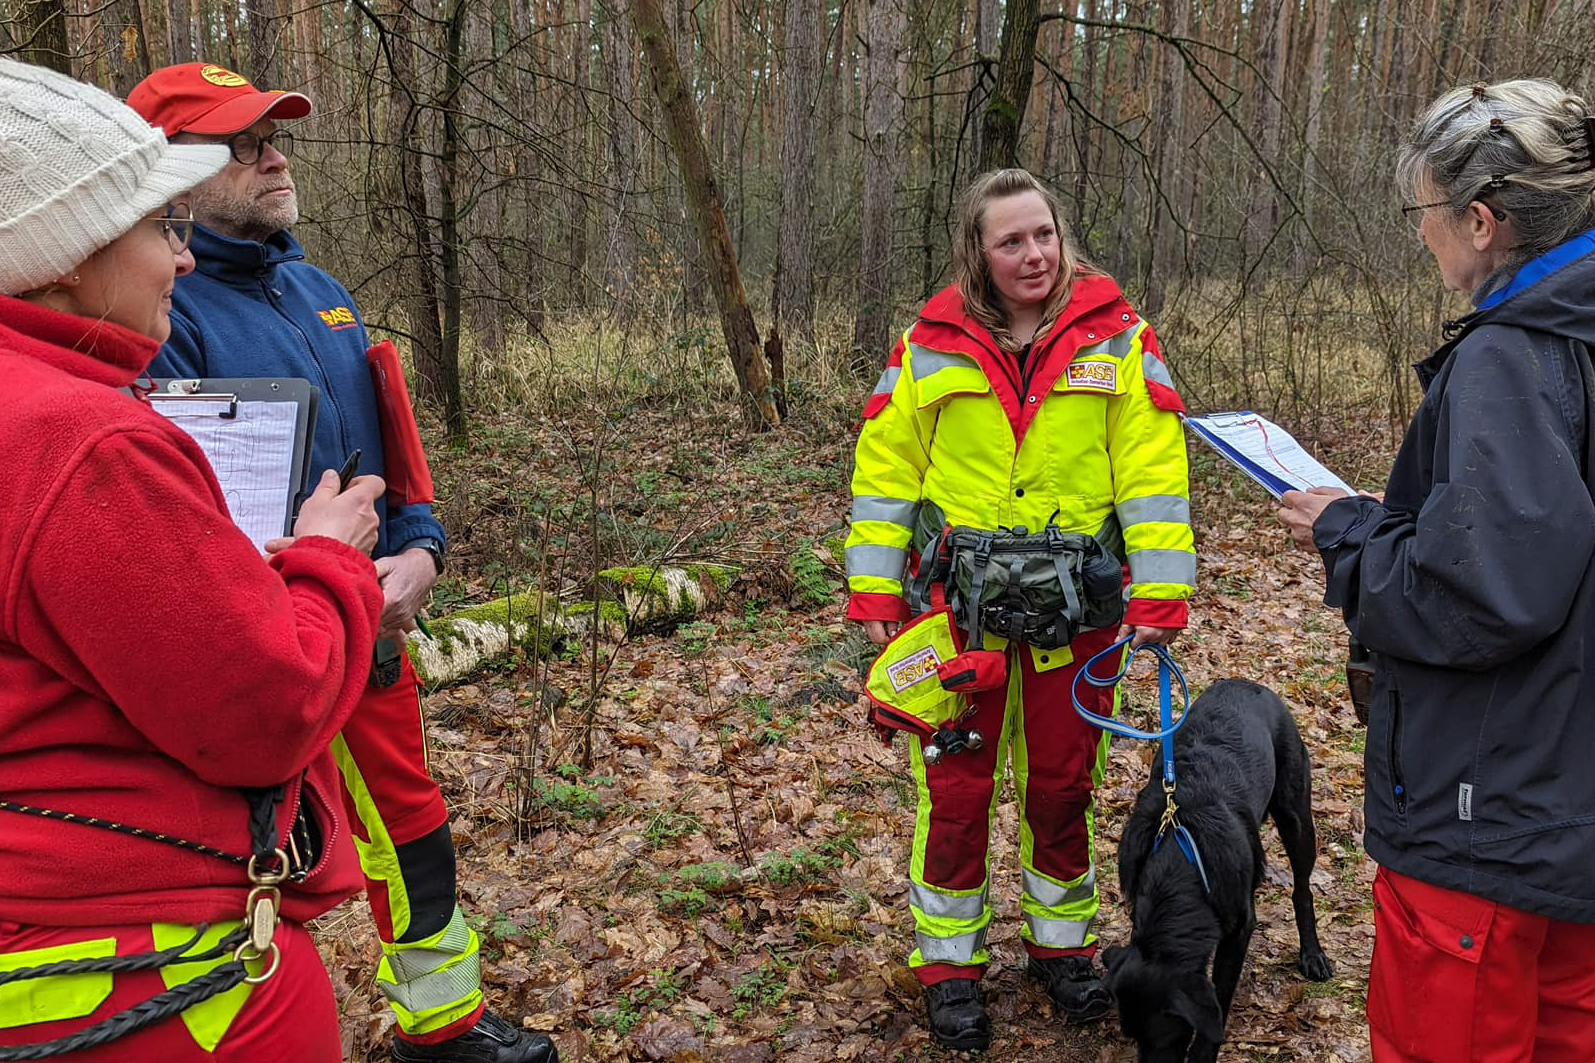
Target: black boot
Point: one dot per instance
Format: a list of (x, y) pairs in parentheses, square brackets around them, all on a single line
[(1074, 986), (958, 1014), (491, 1040)]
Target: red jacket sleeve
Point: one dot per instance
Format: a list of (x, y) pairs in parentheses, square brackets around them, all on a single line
[(136, 585)]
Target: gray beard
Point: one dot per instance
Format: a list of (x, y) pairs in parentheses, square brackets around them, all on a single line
[(242, 219)]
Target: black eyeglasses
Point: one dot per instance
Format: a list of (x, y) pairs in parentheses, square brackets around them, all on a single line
[(1495, 184), (246, 147), (1407, 212), (177, 224)]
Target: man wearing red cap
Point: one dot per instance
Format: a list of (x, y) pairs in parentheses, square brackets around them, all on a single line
[(254, 307)]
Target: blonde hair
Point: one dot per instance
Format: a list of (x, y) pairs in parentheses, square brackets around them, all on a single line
[(1521, 147), (972, 273)]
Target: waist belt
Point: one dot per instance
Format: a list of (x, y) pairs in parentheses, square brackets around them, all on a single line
[(1040, 588)]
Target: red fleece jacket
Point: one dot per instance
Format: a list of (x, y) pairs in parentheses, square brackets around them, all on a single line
[(150, 662)]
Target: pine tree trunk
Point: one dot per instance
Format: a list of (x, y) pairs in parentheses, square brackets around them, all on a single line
[(803, 36), (1004, 116), (883, 117), (686, 136)]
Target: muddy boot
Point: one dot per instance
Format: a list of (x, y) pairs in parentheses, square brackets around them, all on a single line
[(958, 1014), (1074, 986)]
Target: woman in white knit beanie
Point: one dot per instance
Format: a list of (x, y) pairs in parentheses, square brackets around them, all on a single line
[(167, 695)]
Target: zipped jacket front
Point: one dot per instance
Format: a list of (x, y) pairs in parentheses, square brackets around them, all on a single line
[(1086, 434), (259, 309), (1472, 582)]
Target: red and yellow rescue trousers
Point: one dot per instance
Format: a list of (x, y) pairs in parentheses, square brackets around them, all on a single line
[(431, 969)]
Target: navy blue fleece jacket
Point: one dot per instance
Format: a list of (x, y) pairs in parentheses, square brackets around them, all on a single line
[(259, 309)]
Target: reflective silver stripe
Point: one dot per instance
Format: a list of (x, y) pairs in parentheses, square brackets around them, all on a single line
[(926, 361), (888, 380), (1058, 933), (1170, 508), (423, 981), (941, 905), (888, 562), (1163, 566), (1049, 894), (959, 949), (1118, 346), (892, 510), (1153, 369)]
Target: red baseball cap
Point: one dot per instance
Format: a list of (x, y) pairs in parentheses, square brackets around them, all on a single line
[(210, 100)]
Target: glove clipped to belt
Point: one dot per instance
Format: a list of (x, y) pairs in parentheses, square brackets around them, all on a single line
[(920, 681)]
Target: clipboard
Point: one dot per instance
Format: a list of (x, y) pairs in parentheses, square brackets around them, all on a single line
[(260, 457), (1264, 451)]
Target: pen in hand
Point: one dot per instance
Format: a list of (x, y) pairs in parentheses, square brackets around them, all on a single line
[(346, 473)]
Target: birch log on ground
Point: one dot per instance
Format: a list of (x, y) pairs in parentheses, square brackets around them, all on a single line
[(634, 599)]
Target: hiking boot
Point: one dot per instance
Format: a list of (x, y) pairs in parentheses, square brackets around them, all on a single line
[(491, 1040), (958, 1014), (1074, 986)]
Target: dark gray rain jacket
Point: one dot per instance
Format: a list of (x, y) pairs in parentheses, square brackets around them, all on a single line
[(1472, 585)]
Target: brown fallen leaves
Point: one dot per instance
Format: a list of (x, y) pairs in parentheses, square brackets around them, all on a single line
[(725, 882)]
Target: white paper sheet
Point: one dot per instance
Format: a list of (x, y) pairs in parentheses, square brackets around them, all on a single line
[(251, 454), (1264, 451)]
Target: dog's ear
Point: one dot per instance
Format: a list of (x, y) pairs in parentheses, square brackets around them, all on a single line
[(1113, 958), (1195, 1001)]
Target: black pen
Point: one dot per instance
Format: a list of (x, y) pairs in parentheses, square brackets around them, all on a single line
[(346, 473)]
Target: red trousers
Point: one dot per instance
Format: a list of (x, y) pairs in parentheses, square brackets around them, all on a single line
[(1056, 764), (291, 1016), (386, 737), (1459, 979)]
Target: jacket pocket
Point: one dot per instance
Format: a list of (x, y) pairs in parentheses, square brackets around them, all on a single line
[(1398, 779)]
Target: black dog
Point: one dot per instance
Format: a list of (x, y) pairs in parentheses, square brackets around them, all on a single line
[(1238, 756)]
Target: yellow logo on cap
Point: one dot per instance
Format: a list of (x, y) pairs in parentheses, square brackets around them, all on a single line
[(220, 75)]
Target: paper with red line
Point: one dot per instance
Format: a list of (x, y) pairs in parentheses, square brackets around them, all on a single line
[(1264, 451)]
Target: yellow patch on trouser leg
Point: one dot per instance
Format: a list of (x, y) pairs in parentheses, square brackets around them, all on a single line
[(1057, 914), (950, 925), (379, 857)]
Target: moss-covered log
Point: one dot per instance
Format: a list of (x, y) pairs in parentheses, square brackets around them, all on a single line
[(662, 597), (634, 598), (476, 635)]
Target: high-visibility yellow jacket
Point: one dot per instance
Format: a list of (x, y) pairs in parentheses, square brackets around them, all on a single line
[(1088, 430)]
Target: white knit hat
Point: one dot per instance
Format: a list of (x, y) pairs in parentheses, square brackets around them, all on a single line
[(78, 168)]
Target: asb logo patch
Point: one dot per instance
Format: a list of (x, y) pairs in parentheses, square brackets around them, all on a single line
[(221, 76), (1099, 376), (338, 318), (915, 668)]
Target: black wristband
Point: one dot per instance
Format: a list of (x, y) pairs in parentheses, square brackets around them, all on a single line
[(431, 546)]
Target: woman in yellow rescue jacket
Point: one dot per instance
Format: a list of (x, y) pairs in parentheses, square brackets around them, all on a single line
[(1027, 393)]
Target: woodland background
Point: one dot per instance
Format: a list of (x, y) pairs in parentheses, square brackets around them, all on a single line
[(678, 840)]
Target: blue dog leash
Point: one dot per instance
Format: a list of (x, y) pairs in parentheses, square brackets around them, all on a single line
[(1167, 672)]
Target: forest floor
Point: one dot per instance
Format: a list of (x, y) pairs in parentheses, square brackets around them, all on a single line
[(725, 878)]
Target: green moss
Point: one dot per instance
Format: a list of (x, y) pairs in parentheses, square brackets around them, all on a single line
[(609, 610)]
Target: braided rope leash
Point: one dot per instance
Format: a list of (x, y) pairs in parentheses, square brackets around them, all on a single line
[(267, 869), (122, 828)]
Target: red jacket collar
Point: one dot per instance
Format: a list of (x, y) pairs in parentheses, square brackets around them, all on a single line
[(1092, 291), (97, 351), (1096, 310)]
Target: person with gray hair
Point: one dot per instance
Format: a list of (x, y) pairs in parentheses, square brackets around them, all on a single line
[(169, 813), (1471, 582)]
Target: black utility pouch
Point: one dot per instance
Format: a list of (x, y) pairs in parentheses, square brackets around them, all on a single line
[(385, 662), (1359, 678)]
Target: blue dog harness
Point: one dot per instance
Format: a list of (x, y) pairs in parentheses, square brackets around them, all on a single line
[(1167, 672)]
